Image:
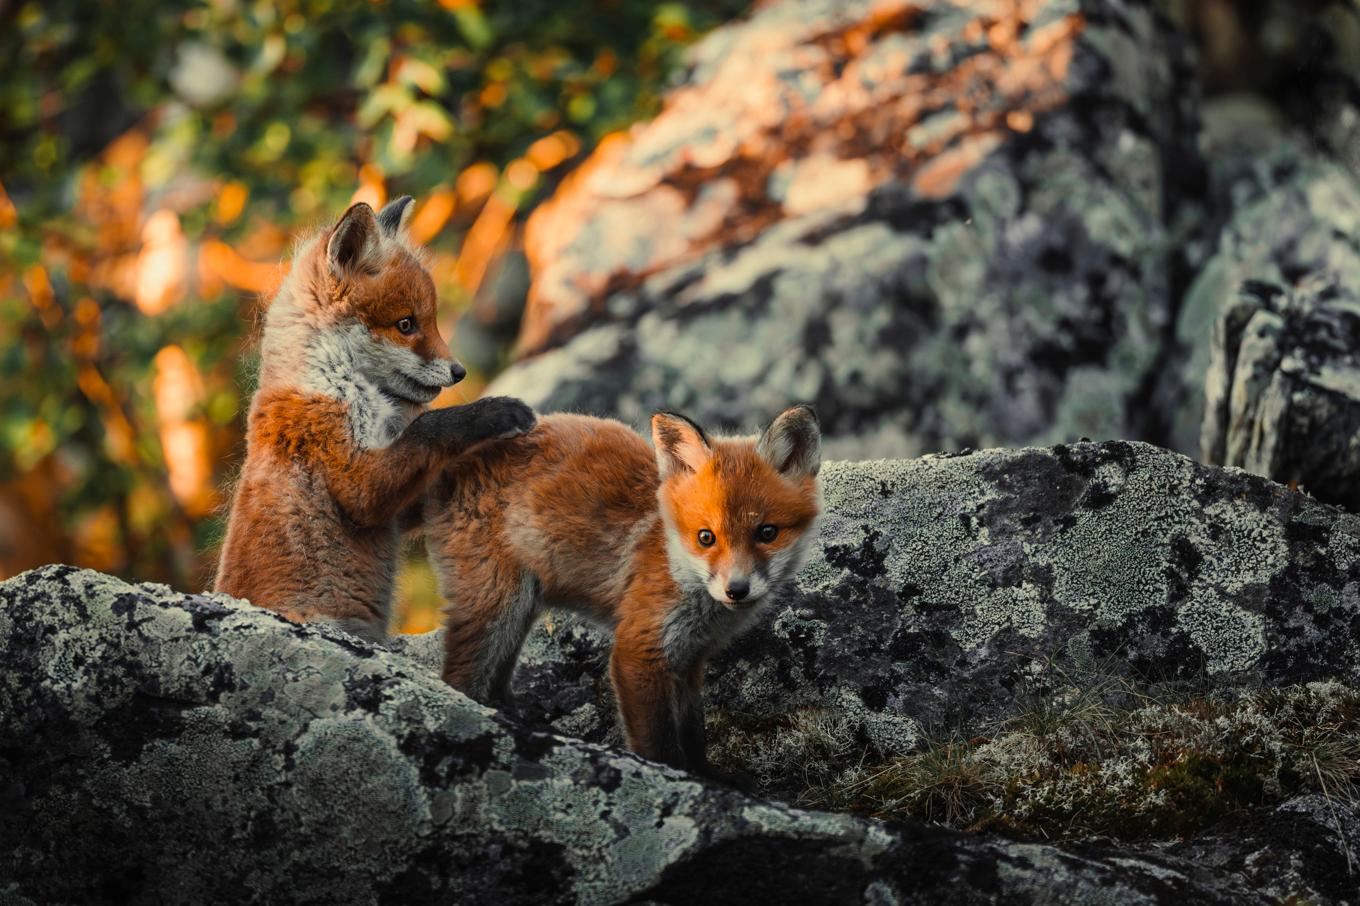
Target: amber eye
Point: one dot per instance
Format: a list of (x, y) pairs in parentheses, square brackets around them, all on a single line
[(767, 533), (407, 325), (706, 538)]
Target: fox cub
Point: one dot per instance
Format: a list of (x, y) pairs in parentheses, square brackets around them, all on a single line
[(338, 439), (674, 549)]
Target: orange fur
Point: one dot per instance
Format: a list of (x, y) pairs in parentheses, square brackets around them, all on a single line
[(339, 442), (575, 515)]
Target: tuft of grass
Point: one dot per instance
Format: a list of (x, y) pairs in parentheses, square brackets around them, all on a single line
[(804, 757), (942, 783), (1081, 759)]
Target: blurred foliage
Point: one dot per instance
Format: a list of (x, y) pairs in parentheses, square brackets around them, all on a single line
[(158, 157)]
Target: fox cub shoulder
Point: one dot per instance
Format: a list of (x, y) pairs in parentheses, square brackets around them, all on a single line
[(339, 440), (674, 547)]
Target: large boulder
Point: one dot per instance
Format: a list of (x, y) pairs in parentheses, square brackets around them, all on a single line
[(946, 224), (157, 747)]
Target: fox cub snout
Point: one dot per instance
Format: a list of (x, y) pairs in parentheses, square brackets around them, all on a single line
[(674, 547), (339, 441)]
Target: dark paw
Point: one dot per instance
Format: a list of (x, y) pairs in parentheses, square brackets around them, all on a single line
[(439, 427), (458, 427), (500, 417)]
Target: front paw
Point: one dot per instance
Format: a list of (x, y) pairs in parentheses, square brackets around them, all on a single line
[(456, 428), (500, 417)]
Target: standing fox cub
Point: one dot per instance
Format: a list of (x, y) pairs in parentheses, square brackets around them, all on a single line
[(674, 549), (338, 439)]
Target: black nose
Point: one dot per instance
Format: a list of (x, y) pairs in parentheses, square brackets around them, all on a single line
[(738, 589), (457, 371)]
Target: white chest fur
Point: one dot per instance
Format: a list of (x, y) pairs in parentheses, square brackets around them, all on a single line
[(700, 626), (340, 364)]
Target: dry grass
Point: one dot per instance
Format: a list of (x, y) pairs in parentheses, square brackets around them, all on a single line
[(1088, 756)]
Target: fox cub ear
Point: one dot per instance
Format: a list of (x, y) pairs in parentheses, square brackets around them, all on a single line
[(793, 442), (394, 217), (353, 242), (681, 445)]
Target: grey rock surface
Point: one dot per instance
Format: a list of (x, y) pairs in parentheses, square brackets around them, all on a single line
[(1296, 219), (1282, 394), (944, 225), (158, 747)]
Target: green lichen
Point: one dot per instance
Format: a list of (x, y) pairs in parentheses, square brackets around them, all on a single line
[(1113, 559)]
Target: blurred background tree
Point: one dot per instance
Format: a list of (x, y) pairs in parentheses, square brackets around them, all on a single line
[(157, 159)]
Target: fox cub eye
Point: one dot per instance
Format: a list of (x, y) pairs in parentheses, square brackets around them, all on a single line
[(767, 533), (407, 326), (706, 538)]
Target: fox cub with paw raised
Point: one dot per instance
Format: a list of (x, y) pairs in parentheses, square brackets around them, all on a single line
[(339, 440), (674, 549)]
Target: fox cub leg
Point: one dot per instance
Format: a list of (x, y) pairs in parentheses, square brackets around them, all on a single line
[(486, 629), (689, 718), (661, 708)]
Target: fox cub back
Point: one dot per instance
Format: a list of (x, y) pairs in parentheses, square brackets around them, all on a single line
[(674, 547), (338, 439)]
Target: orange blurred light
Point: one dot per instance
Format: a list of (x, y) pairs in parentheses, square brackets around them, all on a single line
[(119, 437), (371, 187), (493, 95), (40, 293), (9, 214), (231, 201), (1020, 120), (551, 150), (477, 181), (483, 239), (161, 263), (521, 174), (178, 390), (218, 261), (432, 214)]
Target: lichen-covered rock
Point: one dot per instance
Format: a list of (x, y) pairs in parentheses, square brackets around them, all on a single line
[(165, 748), (945, 224), (1282, 394), (949, 587), (1297, 217)]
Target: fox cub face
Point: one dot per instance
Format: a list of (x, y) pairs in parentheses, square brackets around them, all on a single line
[(356, 319), (738, 512), (389, 299)]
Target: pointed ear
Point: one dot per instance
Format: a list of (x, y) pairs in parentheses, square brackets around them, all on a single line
[(353, 240), (394, 217), (793, 442), (681, 445)]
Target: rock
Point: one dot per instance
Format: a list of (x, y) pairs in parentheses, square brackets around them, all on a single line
[(1282, 138), (487, 329), (1273, 851), (1297, 219), (945, 224), (1283, 388), (162, 747)]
